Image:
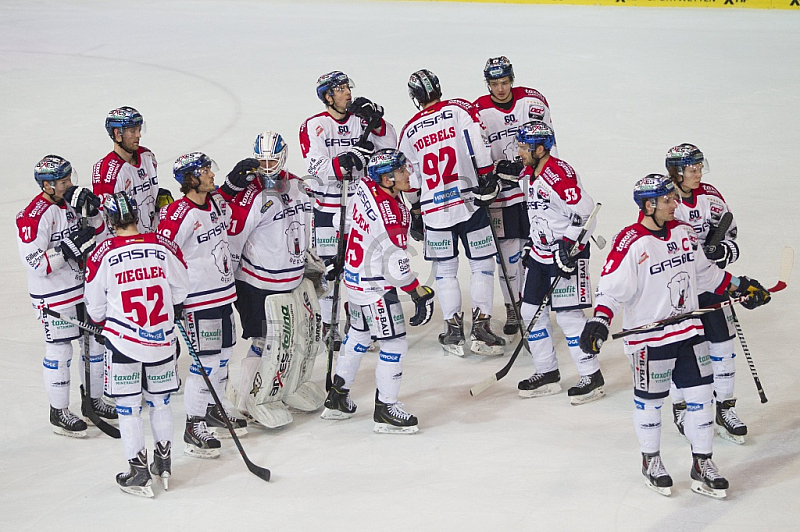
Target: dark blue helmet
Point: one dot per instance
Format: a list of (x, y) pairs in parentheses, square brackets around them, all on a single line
[(498, 68), (535, 133), (384, 162), (121, 118), (51, 168), (192, 163), (650, 188), (327, 82)]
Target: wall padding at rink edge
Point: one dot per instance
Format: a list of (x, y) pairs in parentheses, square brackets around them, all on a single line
[(731, 4)]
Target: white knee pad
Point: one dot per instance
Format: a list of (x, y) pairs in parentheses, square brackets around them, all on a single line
[(724, 365), (389, 369), (160, 415), (699, 422), (572, 323), (56, 364), (675, 394), (196, 395), (448, 290), (540, 339), (131, 427), (356, 344), (647, 423), (481, 284)]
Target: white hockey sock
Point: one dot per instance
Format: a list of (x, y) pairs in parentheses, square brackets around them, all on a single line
[(724, 366), (96, 365), (481, 284), (389, 369), (540, 340), (448, 290), (699, 422), (675, 394), (512, 252), (131, 426), (160, 416), (219, 378), (572, 322), (56, 365), (647, 423), (196, 396), (356, 344)]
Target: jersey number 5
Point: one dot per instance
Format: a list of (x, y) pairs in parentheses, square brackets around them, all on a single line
[(136, 310), (355, 252), (431, 163)]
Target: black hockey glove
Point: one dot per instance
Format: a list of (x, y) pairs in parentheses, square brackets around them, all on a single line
[(365, 109), (333, 269), (78, 244), (242, 175), (757, 294), (82, 200), (486, 192), (526, 253), (177, 310), (423, 306), (509, 170), (595, 332), (417, 230), (366, 147), (563, 260), (163, 198), (723, 253), (349, 160)]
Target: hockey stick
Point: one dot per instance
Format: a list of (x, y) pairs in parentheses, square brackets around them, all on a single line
[(748, 356), (86, 396), (483, 385), (260, 472), (502, 260), (340, 250), (600, 241)]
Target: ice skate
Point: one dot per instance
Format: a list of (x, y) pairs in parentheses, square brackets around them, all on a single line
[(706, 479), (679, 416), (100, 407), (390, 418), (588, 389), (66, 423), (655, 474), (540, 384), (728, 424), (137, 480), (452, 340), (338, 404), (337, 338), (199, 441), (484, 341), (162, 462), (218, 427), (511, 327)]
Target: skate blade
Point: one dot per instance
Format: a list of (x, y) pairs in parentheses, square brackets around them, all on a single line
[(542, 391), (69, 433), (222, 433), (699, 487), (666, 492), (385, 428), (725, 435), (594, 395), (139, 491), (480, 348), (334, 414), (457, 350), (197, 452), (164, 478)]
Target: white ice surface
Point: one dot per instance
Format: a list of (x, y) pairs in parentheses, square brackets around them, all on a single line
[(624, 85)]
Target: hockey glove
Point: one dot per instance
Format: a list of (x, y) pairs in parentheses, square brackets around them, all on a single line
[(423, 306), (242, 175), (595, 332), (333, 269), (509, 170), (526, 253), (82, 200), (315, 271), (349, 160), (366, 147), (366, 110), (417, 229), (563, 260), (757, 294), (78, 243), (163, 198), (177, 310), (723, 253), (486, 193)]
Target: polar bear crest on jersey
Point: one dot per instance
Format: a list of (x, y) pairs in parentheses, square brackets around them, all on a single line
[(678, 287), (295, 239)]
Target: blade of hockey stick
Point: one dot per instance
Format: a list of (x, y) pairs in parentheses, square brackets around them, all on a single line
[(719, 233)]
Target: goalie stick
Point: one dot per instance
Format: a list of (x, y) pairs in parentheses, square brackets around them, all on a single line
[(486, 383), (261, 472)]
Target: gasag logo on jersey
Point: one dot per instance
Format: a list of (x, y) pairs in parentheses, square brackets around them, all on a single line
[(503, 133), (293, 211), (340, 142), (446, 195), (429, 121), (211, 233), (674, 262), (146, 185), (136, 254), (155, 336), (352, 277)]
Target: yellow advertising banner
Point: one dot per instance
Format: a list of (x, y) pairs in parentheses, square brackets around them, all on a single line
[(746, 4)]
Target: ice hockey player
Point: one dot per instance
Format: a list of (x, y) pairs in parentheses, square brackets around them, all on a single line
[(376, 265), (451, 197), (130, 168), (702, 206), (336, 158), (558, 207), (53, 242), (135, 286), (656, 271), (269, 235), (198, 224), (502, 112)]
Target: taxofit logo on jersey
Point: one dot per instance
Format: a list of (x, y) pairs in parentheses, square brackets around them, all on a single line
[(482, 243), (127, 379), (447, 195), (662, 377), (155, 336), (211, 335), (567, 291), (441, 244), (162, 378)]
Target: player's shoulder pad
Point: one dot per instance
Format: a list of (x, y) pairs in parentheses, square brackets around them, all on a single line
[(622, 244), (29, 218), (466, 106), (484, 102), (522, 92), (106, 170), (100, 251), (394, 214), (710, 190), (166, 242), (562, 178)]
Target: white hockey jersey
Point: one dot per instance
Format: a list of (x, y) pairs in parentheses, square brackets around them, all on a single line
[(269, 233), (501, 131), (322, 138), (112, 174), (41, 226), (434, 143), (376, 259), (132, 283), (654, 279), (201, 231), (558, 206)]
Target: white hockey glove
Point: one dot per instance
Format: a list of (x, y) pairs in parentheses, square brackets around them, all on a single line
[(423, 306), (315, 270)]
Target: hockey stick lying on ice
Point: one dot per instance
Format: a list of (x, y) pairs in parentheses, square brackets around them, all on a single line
[(88, 328), (260, 472), (484, 384), (787, 261)]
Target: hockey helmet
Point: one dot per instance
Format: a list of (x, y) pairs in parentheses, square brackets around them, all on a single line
[(327, 82), (536, 132), (384, 162), (192, 163), (52, 168), (424, 87), (123, 117), (120, 210), (498, 68)]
